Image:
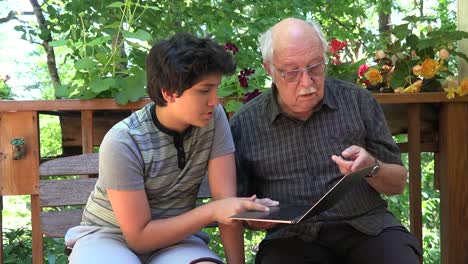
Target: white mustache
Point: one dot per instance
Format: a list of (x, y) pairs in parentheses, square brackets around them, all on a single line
[(307, 90)]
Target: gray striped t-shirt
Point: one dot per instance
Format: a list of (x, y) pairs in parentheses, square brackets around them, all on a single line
[(139, 153)]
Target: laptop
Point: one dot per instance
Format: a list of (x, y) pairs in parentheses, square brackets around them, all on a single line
[(293, 213)]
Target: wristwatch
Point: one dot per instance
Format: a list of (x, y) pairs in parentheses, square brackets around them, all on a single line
[(375, 168)]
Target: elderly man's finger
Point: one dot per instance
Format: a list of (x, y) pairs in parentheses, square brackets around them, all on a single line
[(351, 152), (342, 163)]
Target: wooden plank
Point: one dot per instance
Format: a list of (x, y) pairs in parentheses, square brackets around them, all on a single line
[(56, 223), (425, 147), (453, 183), (416, 98), (37, 243), (73, 165), (102, 122), (19, 176), (52, 105), (87, 131), (66, 192), (414, 157)]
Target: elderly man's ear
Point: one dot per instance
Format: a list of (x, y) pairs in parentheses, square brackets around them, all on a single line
[(267, 68)]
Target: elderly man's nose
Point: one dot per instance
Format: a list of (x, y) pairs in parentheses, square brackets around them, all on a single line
[(305, 78)]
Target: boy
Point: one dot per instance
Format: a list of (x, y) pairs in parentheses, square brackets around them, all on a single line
[(152, 163)]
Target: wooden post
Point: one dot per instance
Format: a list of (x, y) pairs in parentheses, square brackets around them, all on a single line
[(19, 164), (37, 242), (414, 157), (19, 171), (453, 182), (1, 229), (87, 131)]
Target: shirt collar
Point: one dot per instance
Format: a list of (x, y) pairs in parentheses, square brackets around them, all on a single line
[(273, 108), (165, 130)]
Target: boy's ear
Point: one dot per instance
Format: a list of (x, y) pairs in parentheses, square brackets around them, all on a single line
[(168, 95)]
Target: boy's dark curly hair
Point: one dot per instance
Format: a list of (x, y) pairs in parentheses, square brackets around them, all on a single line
[(176, 64)]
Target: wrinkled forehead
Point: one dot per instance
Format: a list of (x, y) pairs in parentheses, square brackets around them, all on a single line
[(297, 44)]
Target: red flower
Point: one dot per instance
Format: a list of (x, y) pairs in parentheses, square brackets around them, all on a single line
[(336, 46), (252, 95), (230, 46), (244, 77)]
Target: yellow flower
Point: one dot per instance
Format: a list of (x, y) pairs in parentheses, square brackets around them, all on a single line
[(413, 88), (450, 92), (380, 54), (463, 88), (429, 68), (374, 76)]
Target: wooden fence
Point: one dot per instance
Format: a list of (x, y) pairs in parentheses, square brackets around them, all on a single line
[(19, 119)]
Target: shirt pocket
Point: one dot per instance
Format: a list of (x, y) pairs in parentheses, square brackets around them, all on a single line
[(349, 134)]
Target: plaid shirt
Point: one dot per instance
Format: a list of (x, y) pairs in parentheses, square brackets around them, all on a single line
[(289, 160)]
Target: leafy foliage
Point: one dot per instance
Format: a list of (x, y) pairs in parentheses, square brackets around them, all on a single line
[(107, 41), (5, 91)]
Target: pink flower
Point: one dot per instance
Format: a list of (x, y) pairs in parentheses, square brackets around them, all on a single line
[(362, 69)]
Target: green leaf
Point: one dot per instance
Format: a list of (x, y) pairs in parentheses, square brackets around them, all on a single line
[(121, 98), (100, 85), (132, 88), (139, 34), (44, 34), (401, 31), (58, 43), (412, 41), (85, 63), (225, 92), (233, 105), (115, 24), (99, 41), (101, 57), (116, 5), (155, 8), (62, 91)]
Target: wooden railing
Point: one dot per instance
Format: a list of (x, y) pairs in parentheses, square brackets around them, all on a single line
[(451, 150)]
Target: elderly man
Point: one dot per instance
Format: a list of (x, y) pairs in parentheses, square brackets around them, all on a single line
[(296, 140)]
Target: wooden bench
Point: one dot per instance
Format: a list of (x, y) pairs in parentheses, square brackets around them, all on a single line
[(62, 200)]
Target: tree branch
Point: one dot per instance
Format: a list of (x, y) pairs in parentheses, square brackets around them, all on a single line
[(51, 63), (11, 15)]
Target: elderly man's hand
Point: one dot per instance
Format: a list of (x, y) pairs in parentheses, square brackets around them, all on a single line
[(353, 158)]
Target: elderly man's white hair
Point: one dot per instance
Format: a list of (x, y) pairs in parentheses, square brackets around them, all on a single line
[(266, 40)]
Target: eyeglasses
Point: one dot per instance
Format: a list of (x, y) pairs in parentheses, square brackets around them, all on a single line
[(315, 70)]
